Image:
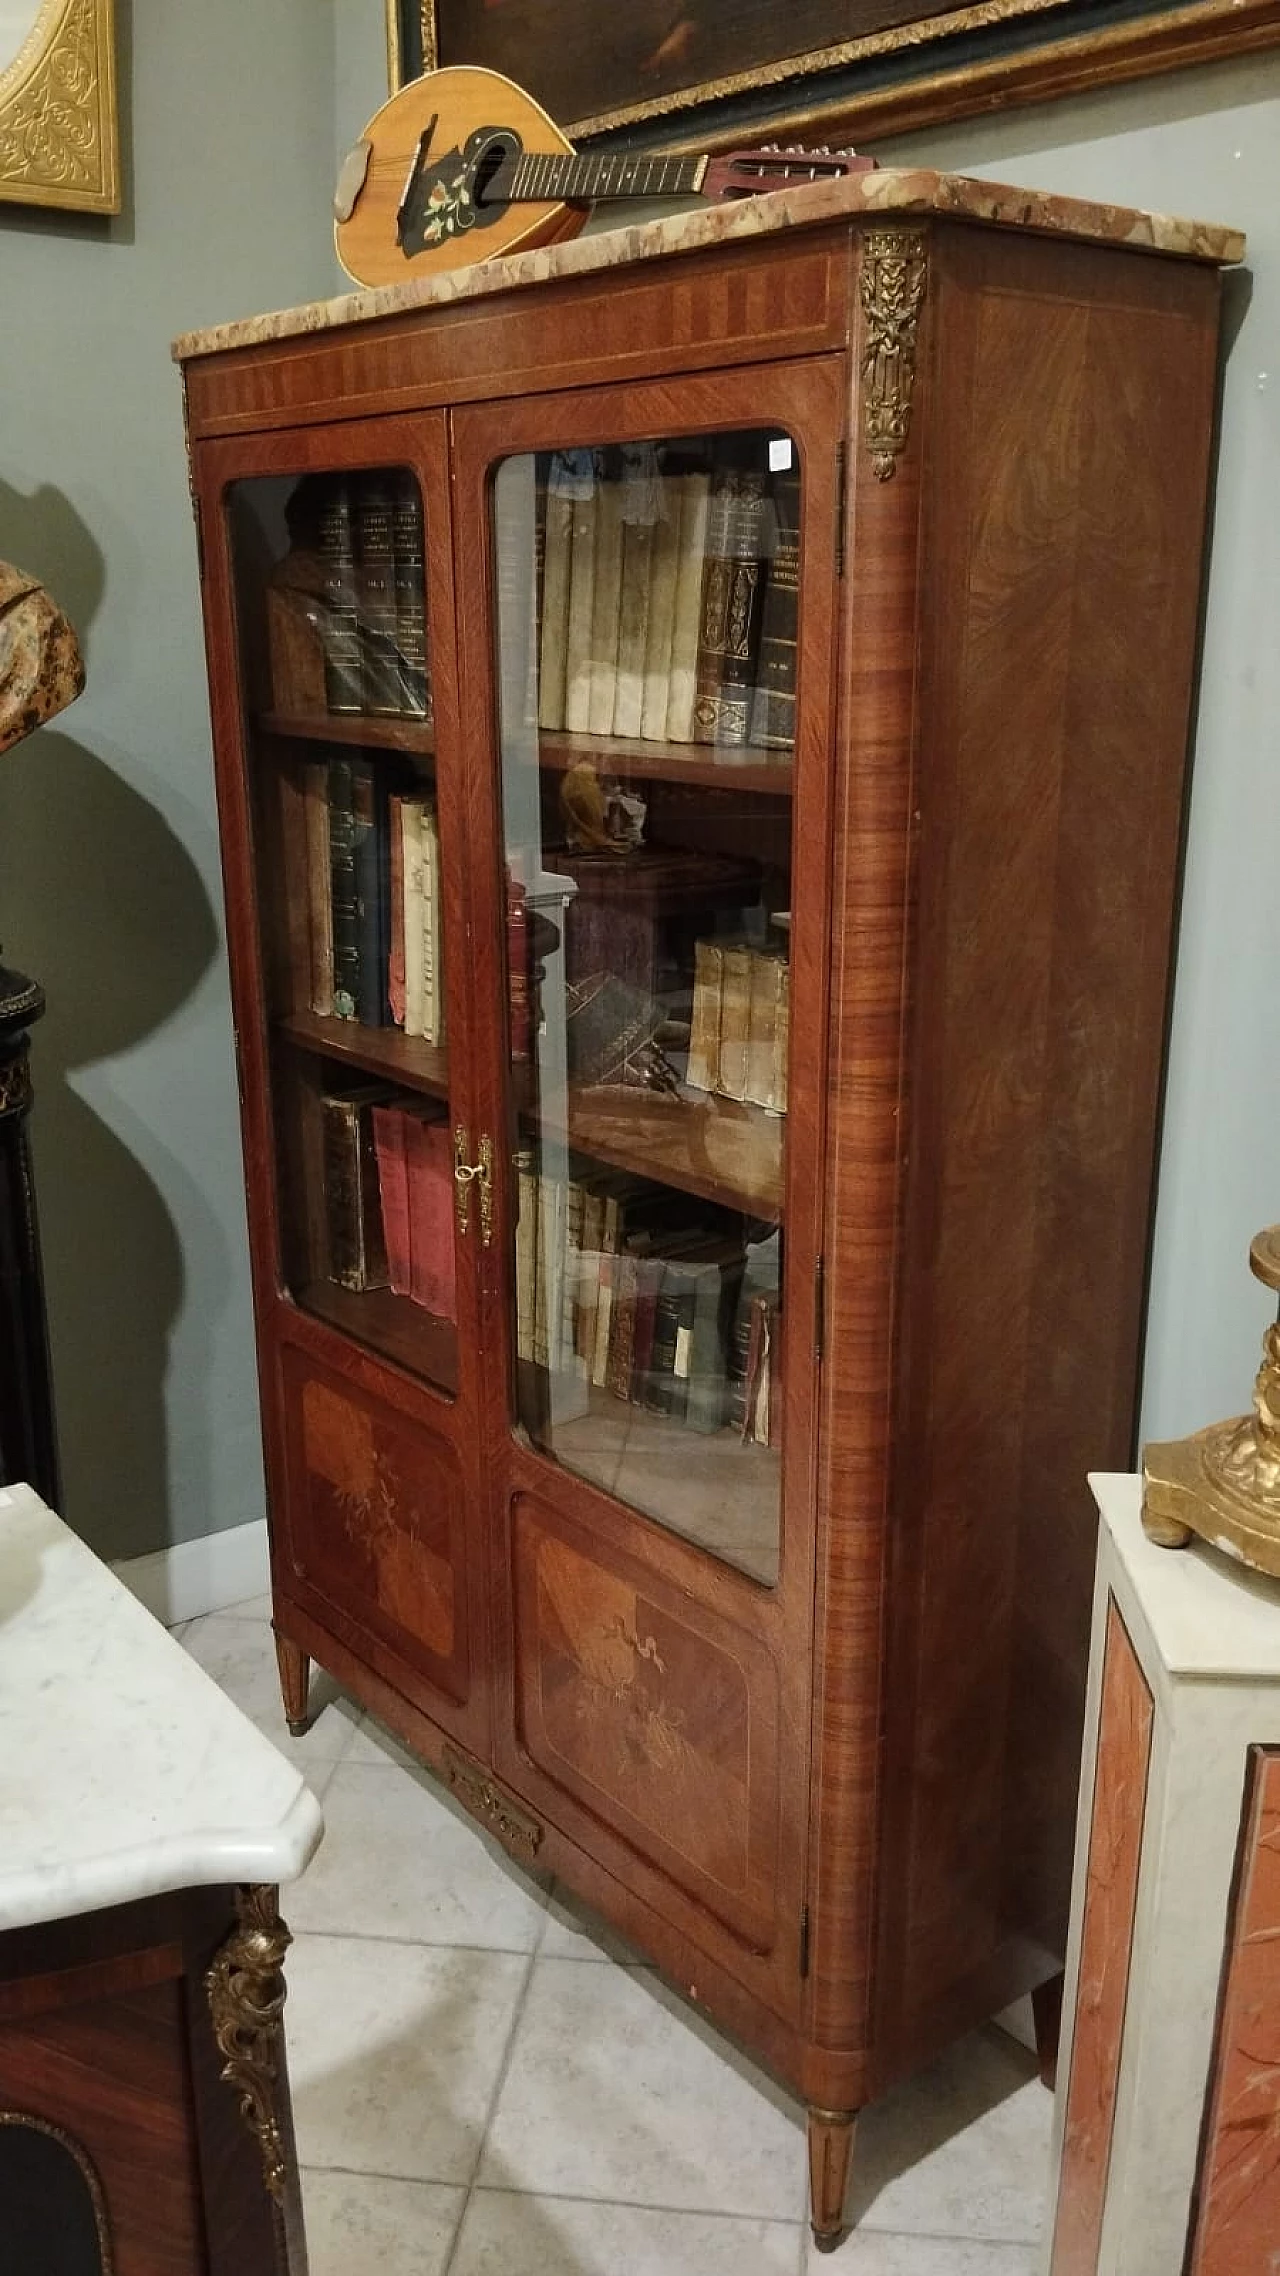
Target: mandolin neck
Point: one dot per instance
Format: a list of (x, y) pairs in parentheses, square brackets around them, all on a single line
[(570, 179)]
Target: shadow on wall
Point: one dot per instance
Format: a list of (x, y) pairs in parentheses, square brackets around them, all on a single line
[(103, 906)]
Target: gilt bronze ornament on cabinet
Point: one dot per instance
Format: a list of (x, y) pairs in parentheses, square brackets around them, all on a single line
[(701, 722)]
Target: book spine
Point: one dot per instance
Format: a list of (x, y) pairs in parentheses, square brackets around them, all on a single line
[(633, 629), (375, 582), (393, 1187), (705, 1406), (411, 859), (735, 1022), (396, 978), (703, 1071), (604, 1318), (342, 879), (526, 1250), (574, 1210), (315, 801), (768, 978), (557, 559), (433, 1024), (648, 1282), (687, 614), (413, 688), (659, 1390), (773, 705), (660, 632), (622, 1326), (713, 623), (353, 1223), (781, 1040), (741, 629), (589, 1277), (342, 676), (367, 870), (582, 585), (431, 1244), (606, 604), (549, 1294), (519, 976)]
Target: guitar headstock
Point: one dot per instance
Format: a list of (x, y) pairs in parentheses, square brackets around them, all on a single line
[(746, 173)]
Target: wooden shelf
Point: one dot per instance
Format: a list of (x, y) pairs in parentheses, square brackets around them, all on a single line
[(393, 1325), (406, 1059), (378, 733), (746, 769), (720, 1149)]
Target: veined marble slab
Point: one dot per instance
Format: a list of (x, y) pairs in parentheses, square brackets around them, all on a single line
[(124, 1771), (886, 193), (1209, 1616)]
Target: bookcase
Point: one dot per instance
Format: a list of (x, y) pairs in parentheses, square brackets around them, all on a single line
[(700, 721)]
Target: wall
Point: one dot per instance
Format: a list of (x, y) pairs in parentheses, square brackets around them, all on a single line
[(109, 881), (1206, 143)]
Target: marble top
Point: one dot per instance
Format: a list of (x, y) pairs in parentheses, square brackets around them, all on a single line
[(886, 192), (1209, 1616), (124, 1771)]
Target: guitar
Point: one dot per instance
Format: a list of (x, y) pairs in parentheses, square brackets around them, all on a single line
[(461, 165)]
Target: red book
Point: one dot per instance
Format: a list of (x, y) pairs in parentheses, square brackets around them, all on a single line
[(519, 976), (393, 1185), (430, 1177), (395, 959)]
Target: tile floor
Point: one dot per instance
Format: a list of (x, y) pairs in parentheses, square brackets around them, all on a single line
[(486, 2084)]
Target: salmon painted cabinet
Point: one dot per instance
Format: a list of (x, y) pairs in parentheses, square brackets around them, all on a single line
[(701, 718), (1168, 2120)]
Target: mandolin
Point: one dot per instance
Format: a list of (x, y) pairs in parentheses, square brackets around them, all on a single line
[(461, 165)]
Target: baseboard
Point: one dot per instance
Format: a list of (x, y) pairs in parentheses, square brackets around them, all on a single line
[(193, 1577)]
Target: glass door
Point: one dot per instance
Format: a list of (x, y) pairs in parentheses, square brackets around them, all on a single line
[(352, 863), (647, 608)]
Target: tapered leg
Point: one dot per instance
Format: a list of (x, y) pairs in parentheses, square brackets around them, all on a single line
[(830, 2149), (1046, 2012), (295, 1681)]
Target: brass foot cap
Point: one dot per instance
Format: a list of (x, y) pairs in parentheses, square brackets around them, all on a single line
[(299, 1729), (826, 2240)]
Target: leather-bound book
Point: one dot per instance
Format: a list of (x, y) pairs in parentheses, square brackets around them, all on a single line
[(556, 573), (315, 806), (713, 620), (343, 679), (369, 832), (686, 619), (582, 589), (703, 1070), (633, 627), (396, 977), (526, 1247), (412, 857), (649, 1273), (342, 878), (412, 656), (429, 1167), (773, 704), (660, 630), (357, 1255), (372, 516), (727, 661), (393, 1188), (766, 1022), (519, 973), (606, 602), (735, 1022)]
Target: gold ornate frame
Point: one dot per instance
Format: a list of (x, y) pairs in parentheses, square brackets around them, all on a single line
[(926, 87), (59, 138)]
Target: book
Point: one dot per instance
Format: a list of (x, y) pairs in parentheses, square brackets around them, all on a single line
[(296, 606), (648, 1281), (396, 976), (570, 1358), (372, 510), (766, 1072), (315, 807), (582, 586), (429, 1172), (556, 563), (754, 1335), (368, 836), (433, 1019), (408, 545), (713, 618), (593, 1223), (660, 630), (343, 683), (622, 1324), (356, 1254), (663, 1392), (707, 1368), (703, 1070), (526, 1248), (412, 856), (686, 618), (393, 1188), (773, 702), (606, 602), (519, 974), (633, 627), (735, 1021), (730, 636), (342, 893)]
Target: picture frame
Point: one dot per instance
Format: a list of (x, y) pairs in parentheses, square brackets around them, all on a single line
[(59, 129), (895, 73)]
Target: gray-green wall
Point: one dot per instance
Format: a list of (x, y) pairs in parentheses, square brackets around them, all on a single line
[(109, 889)]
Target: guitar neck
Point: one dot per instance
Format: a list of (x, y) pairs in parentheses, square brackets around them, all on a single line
[(566, 178)]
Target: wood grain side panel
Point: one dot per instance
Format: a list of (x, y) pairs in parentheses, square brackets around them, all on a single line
[(1236, 2220), (1115, 1850), (749, 304), (1063, 546)]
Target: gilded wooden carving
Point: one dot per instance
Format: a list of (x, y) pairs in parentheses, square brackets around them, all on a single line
[(496, 1810), (246, 2001), (59, 141), (893, 283)]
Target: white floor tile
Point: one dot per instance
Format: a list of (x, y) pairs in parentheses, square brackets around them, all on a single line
[(248, 1608), (399, 1859), (960, 2151), (574, 1932), (394, 2053), (240, 1656), (867, 2253), (359, 2224), (509, 2235), (614, 2091), (379, 1748)]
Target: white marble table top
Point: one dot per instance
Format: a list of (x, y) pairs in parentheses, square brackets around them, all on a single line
[(124, 1771), (1209, 1616)]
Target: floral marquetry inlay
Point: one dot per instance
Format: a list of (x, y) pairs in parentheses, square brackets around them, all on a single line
[(58, 136)]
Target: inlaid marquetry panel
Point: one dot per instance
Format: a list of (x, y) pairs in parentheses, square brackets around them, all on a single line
[(1115, 1851), (374, 1519), (655, 1717), (1236, 2224)]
